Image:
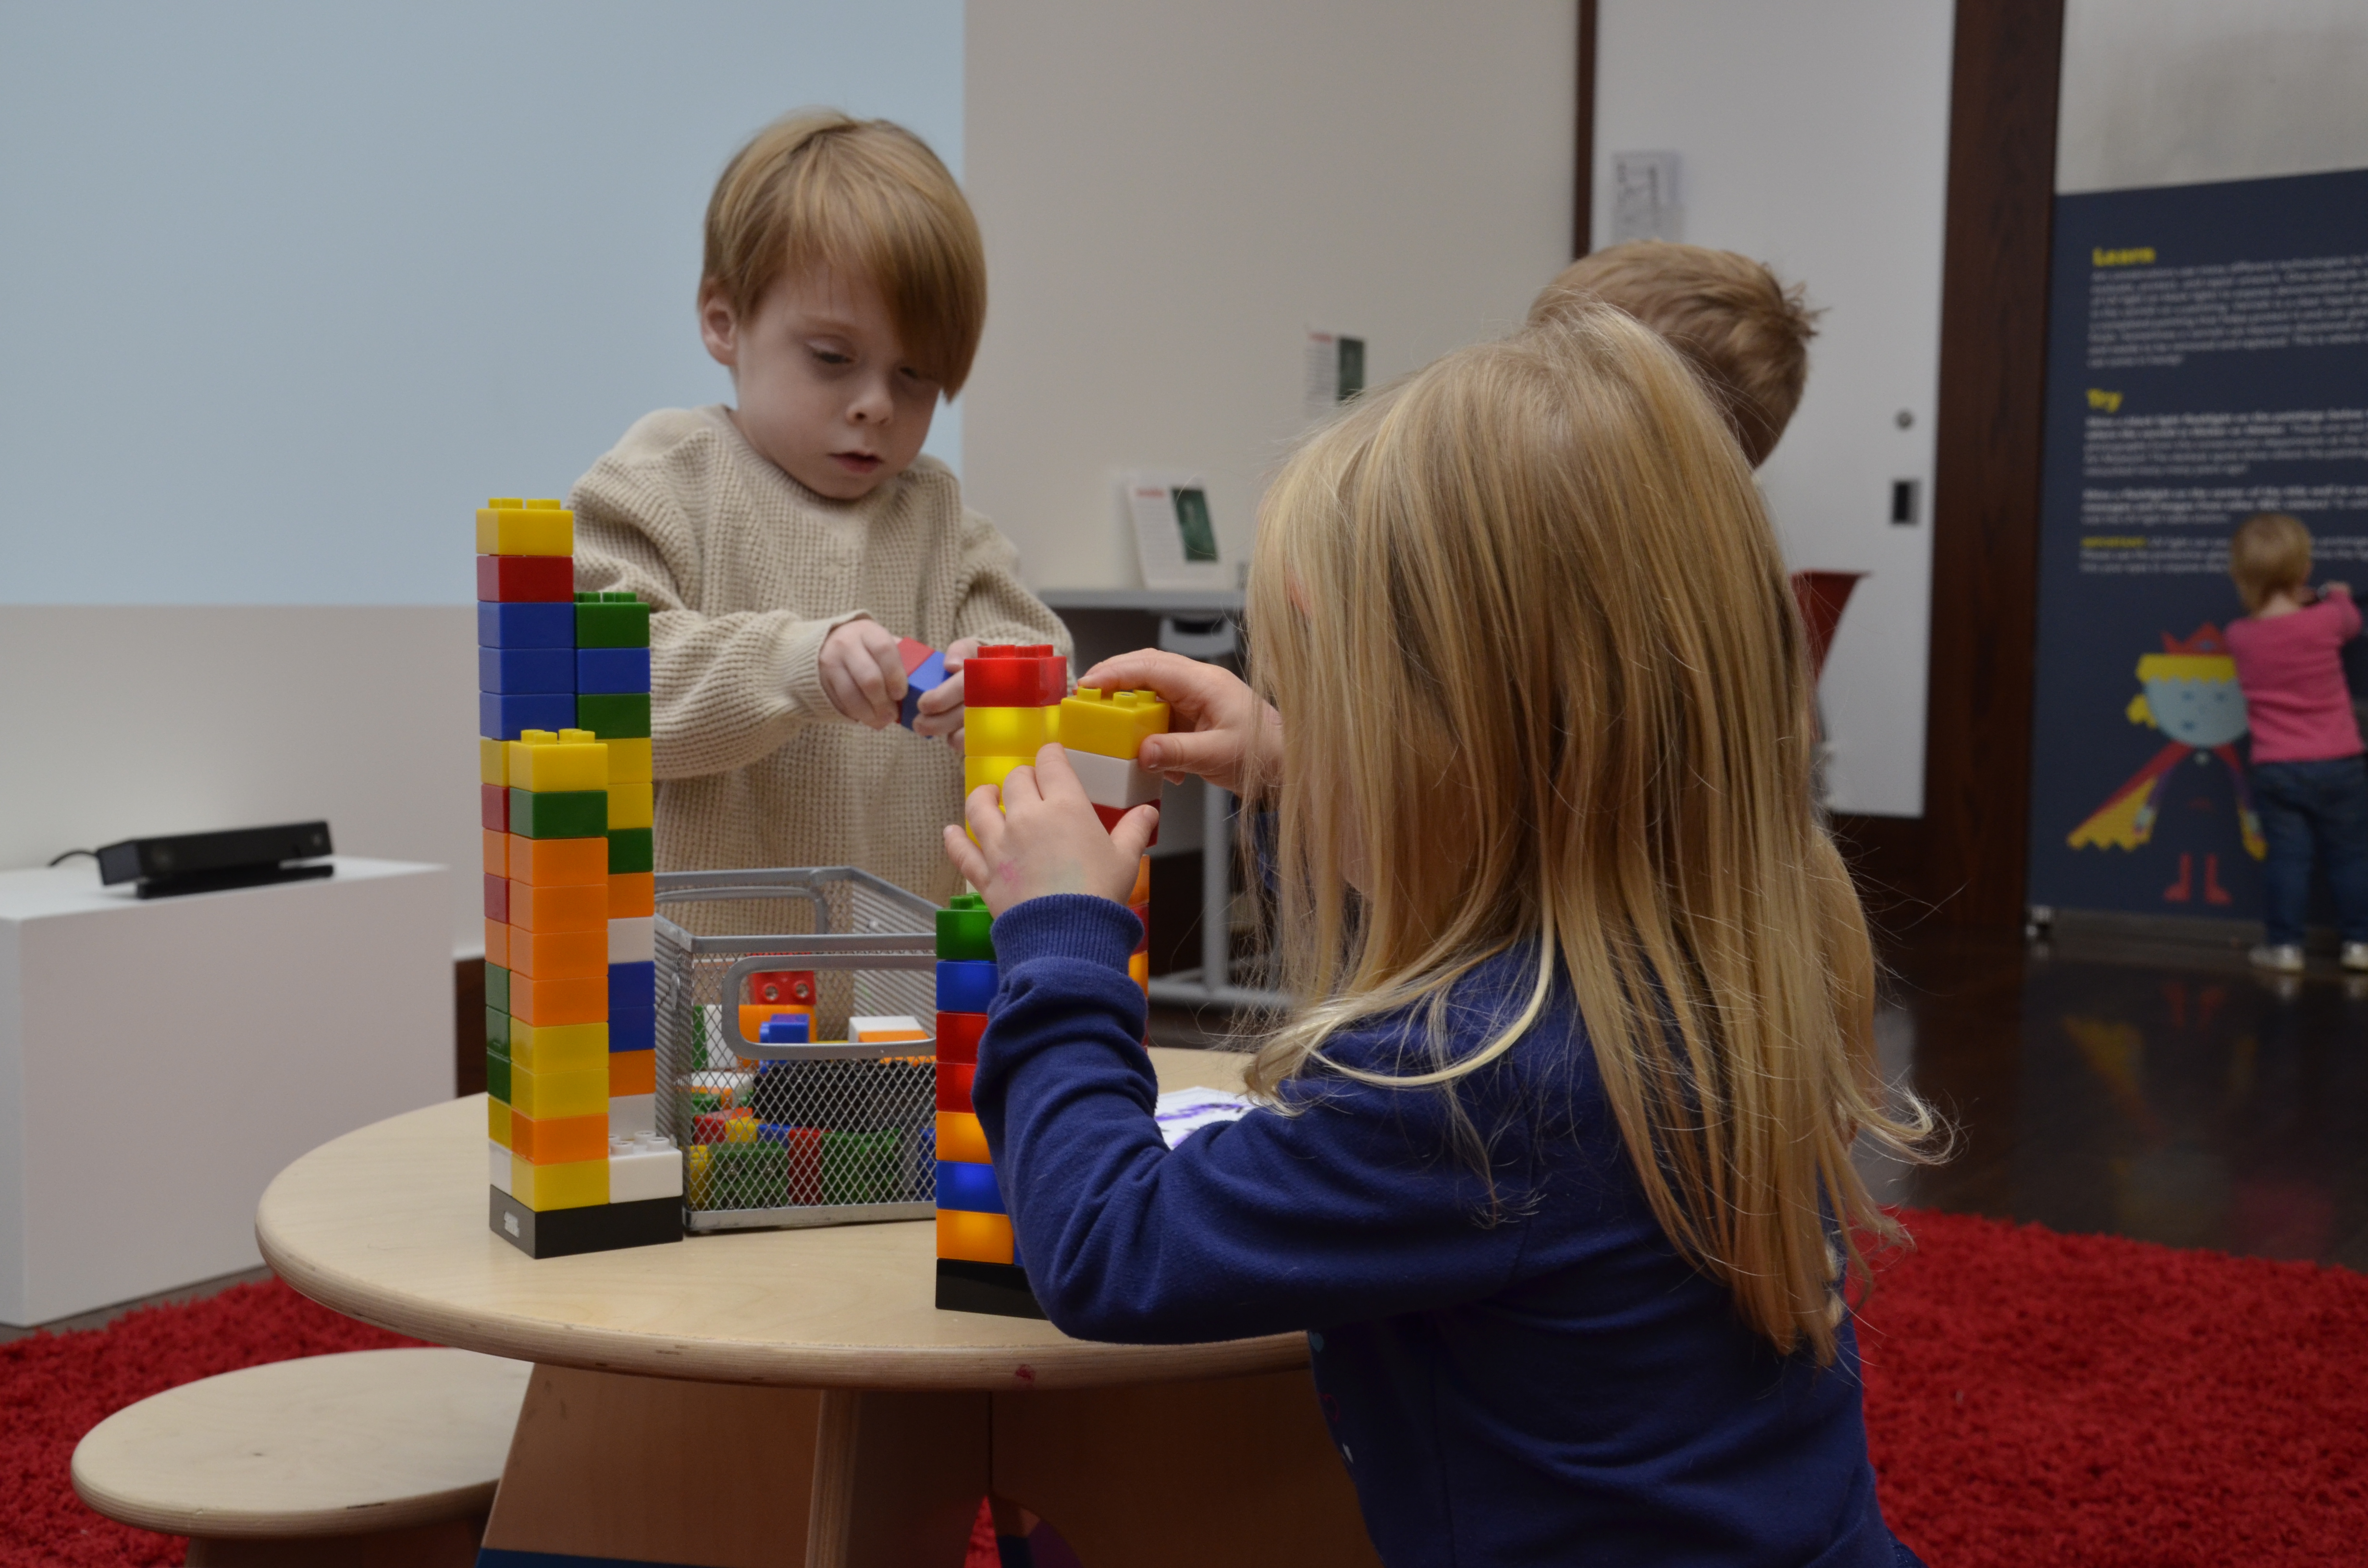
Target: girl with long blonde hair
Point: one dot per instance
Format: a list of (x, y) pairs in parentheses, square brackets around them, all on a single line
[(1553, 1159)]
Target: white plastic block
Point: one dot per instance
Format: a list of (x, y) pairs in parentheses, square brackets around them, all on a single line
[(645, 1166), (633, 941), (629, 1114), (501, 1166), (860, 1030), (1117, 782)]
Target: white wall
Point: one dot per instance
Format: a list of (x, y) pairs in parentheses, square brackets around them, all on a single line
[(2182, 92), (1172, 194), (291, 286), (1814, 136)]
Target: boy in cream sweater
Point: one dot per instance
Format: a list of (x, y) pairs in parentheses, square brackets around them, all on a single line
[(786, 543)]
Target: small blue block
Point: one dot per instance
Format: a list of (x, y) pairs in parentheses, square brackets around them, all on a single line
[(635, 1034), (623, 670), (631, 987), (926, 675), (500, 716), (786, 1028), (515, 670), (521, 625), (965, 985), (969, 1187)]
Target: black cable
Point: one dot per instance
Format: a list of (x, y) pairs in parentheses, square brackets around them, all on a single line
[(72, 853)]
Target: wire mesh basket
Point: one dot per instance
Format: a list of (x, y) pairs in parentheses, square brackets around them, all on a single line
[(781, 1134)]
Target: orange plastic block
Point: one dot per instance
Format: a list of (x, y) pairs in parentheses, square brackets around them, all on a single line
[(497, 853), (560, 906), (960, 1137), (559, 1141), (498, 944), (754, 1014), (560, 954), (568, 1001), (558, 861), (1138, 969), (1142, 893), (974, 1238), (633, 1072), (632, 895)]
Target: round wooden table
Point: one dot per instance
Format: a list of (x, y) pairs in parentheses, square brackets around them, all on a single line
[(782, 1397)]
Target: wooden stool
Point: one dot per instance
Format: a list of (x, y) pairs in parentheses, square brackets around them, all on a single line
[(394, 1453)]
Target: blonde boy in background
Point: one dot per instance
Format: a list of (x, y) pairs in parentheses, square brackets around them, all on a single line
[(1745, 335), (785, 543)]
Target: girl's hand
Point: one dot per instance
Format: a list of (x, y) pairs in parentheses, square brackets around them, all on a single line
[(2340, 590), (1220, 725), (941, 709), (1046, 840), (862, 673)]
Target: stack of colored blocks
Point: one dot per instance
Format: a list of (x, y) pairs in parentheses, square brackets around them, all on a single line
[(979, 1269), (1101, 735), (1011, 708), (576, 1162)]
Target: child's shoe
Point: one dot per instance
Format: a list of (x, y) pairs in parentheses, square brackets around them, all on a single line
[(2284, 958), (2355, 955)]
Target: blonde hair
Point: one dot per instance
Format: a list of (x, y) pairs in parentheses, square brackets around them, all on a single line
[(2269, 555), (1746, 333), (822, 189), (1543, 681)]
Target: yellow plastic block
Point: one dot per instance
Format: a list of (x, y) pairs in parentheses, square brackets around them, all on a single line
[(549, 764), (695, 1187), (547, 1096), (497, 1121), (493, 762), (960, 1137), (632, 805), (1111, 723), (1052, 723), (558, 1048), (579, 1184), (629, 762), (537, 527), (1002, 731), (977, 1238), (978, 770)]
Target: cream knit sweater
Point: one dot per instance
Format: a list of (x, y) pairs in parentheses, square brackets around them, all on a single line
[(747, 572)]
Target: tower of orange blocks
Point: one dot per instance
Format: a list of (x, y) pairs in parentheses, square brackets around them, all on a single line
[(576, 1162), (979, 1266)]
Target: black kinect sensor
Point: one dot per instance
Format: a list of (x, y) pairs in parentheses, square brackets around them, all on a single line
[(206, 862)]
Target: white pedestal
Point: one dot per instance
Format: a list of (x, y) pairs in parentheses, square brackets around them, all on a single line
[(161, 1062)]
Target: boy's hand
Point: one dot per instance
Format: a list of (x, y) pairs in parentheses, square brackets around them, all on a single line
[(2341, 590), (1046, 840), (941, 706), (1221, 723), (862, 673)]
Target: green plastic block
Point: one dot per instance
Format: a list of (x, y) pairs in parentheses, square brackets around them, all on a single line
[(497, 1030), (747, 1176), (614, 715), (965, 929), (497, 1075), (561, 813), (497, 987), (611, 620), (860, 1167), (631, 849)]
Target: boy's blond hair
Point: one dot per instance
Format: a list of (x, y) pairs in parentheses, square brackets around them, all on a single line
[(822, 189), (1547, 693), (1745, 333), (2269, 555)]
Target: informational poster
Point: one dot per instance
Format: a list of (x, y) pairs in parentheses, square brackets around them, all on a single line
[(2207, 360)]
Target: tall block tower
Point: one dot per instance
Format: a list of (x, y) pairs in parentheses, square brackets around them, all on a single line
[(575, 1163)]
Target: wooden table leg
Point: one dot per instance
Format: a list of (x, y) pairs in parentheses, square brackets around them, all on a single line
[(897, 1479), (1238, 1471)]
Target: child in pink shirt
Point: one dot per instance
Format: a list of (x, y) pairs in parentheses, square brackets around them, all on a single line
[(2309, 781)]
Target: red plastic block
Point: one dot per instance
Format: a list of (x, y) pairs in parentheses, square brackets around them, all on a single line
[(787, 987), (498, 898), (1007, 677), (1111, 816), (514, 579), (953, 1084), (915, 654), (1055, 673), (493, 808), (707, 1126), (958, 1036)]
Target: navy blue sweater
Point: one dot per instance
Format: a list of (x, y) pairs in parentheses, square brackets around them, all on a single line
[(1553, 1385)]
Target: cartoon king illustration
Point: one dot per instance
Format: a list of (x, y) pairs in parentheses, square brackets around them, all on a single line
[(2191, 694)]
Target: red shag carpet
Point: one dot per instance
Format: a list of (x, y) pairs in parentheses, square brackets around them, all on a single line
[(2034, 1400)]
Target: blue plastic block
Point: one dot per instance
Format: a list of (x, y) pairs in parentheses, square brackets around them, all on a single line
[(965, 985), (929, 673), (786, 1028), (968, 1188), (612, 669), (500, 716), (526, 625), (634, 1034), (632, 987), (515, 670)]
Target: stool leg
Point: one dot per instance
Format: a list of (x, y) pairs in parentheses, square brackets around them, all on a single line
[(898, 1478), (448, 1543)]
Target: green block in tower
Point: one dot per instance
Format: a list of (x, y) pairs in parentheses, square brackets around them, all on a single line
[(966, 930)]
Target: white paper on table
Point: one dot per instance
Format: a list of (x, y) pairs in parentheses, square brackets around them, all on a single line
[(1182, 1112)]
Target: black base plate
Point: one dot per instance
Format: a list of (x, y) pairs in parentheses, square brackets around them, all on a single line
[(997, 1288), (601, 1227)]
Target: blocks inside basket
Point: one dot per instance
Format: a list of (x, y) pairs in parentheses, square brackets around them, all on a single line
[(565, 799)]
